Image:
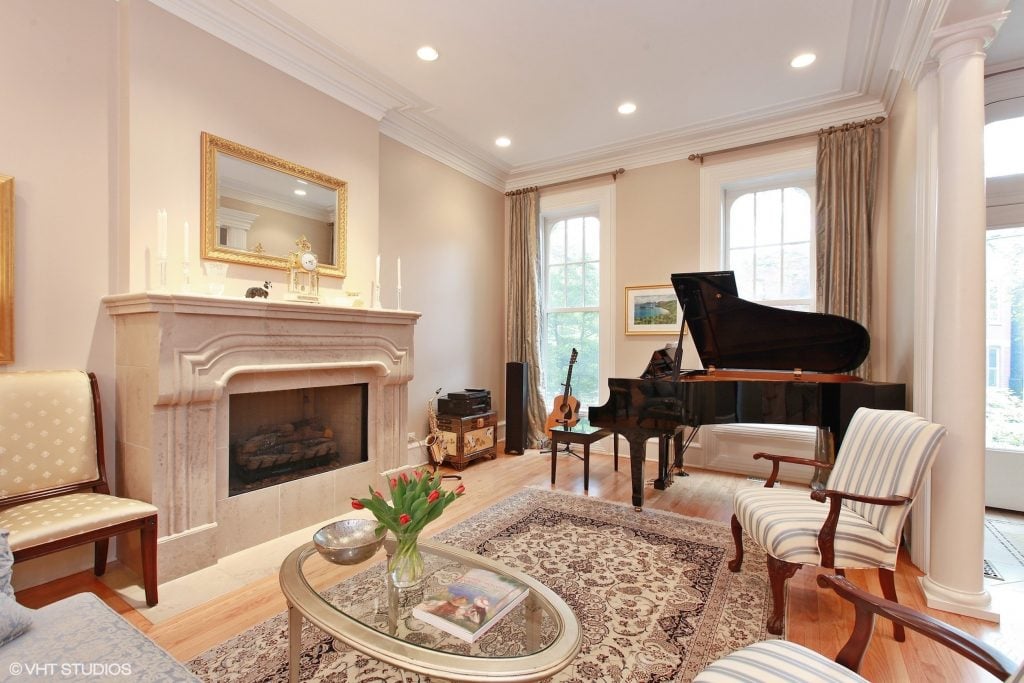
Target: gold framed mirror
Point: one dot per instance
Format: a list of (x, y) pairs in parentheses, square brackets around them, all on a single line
[(6, 269), (256, 206)]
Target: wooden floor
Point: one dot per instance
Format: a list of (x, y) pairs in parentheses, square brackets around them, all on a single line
[(816, 618)]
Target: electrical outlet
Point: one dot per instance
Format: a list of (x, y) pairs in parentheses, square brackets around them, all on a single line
[(412, 436)]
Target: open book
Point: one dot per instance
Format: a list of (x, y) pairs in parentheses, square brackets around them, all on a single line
[(472, 603)]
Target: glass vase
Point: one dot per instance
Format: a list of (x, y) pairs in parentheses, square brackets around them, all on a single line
[(405, 566)]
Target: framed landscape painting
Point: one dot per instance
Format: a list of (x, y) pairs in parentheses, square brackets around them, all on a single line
[(652, 309)]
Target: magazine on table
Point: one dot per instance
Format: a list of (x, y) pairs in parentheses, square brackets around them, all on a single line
[(471, 604)]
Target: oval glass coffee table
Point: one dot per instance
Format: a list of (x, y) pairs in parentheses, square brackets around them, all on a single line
[(535, 640)]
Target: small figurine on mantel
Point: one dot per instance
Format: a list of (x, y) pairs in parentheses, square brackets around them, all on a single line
[(258, 292)]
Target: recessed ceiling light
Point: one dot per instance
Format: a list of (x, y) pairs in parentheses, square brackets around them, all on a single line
[(503, 141), (800, 61), (427, 53), (627, 108), (301, 193)]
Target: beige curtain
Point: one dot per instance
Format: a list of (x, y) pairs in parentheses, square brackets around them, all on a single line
[(522, 315), (847, 177)]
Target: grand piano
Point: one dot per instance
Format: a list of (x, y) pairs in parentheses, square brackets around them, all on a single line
[(761, 365)]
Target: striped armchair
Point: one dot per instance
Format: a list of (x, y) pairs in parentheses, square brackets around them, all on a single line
[(779, 661), (856, 521), (53, 481)]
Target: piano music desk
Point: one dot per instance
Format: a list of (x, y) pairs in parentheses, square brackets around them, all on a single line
[(583, 435)]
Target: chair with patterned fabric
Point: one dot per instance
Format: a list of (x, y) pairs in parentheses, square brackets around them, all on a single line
[(877, 474), (780, 661), (53, 486)]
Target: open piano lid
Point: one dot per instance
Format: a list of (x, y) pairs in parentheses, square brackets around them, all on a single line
[(730, 332)]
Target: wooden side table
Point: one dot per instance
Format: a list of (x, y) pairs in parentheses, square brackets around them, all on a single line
[(583, 436)]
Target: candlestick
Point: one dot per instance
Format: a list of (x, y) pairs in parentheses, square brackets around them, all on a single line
[(161, 234), (186, 280), (162, 268), (398, 305), (376, 272), (398, 276)]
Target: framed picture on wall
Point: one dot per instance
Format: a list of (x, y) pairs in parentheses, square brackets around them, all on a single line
[(652, 309)]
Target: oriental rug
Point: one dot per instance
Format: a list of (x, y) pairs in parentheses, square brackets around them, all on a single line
[(1004, 548), (652, 592)]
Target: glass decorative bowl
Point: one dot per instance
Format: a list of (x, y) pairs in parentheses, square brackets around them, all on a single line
[(349, 541)]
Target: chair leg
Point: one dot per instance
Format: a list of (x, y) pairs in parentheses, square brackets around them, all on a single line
[(887, 578), (148, 532), (779, 571), (100, 558), (737, 538)]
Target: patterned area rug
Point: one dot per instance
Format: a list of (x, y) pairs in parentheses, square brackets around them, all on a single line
[(1004, 549), (652, 591)]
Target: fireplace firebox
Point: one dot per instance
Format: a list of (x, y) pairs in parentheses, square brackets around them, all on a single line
[(279, 436)]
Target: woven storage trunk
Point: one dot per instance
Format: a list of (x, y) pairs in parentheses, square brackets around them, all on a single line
[(466, 438)]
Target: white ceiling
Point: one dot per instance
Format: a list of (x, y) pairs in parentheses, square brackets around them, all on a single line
[(549, 74)]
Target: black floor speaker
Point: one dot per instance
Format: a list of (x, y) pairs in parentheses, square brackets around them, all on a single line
[(516, 388)]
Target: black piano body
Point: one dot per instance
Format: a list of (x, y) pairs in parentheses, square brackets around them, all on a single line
[(781, 367)]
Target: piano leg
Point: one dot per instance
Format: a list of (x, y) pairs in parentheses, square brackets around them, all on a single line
[(637, 456), (664, 479)]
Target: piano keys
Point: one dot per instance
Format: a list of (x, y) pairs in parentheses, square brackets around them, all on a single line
[(761, 365)]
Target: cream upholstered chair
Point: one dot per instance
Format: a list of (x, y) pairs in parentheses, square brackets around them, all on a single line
[(856, 521), (53, 487), (780, 661)]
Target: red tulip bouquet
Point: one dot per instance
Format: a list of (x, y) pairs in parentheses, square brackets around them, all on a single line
[(415, 502)]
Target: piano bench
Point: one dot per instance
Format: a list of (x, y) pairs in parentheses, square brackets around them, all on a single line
[(584, 436)]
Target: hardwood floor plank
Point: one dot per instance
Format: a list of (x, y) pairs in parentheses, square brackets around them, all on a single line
[(816, 618)]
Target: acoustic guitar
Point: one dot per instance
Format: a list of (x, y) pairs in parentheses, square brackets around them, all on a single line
[(566, 410)]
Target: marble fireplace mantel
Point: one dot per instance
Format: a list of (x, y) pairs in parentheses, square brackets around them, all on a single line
[(180, 356)]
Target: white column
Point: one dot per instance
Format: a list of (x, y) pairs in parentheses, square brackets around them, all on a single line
[(924, 290), (955, 581)]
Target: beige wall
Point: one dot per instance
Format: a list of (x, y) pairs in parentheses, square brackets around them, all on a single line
[(58, 135), (657, 233), (447, 229), (174, 95), (902, 207)]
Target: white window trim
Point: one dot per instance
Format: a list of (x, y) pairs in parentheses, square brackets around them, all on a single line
[(719, 444), (600, 198), (714, 178)]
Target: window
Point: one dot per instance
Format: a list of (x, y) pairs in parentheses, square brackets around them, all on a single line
[(572, 311), (1003, 143), (768, 243), (1004, 338), (576, 278), (993, 366)]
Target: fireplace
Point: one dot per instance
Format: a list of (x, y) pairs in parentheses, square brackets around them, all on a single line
[(187, 364), (278, 436)]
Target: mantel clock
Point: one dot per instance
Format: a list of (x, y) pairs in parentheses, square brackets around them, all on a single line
[(303, 276)]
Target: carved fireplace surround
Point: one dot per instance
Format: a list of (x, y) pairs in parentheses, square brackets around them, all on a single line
[(181, 356)]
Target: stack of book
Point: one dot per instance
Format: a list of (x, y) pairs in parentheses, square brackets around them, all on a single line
[(471, 604)]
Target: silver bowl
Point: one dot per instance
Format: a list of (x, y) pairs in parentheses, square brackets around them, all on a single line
[(349, 541)]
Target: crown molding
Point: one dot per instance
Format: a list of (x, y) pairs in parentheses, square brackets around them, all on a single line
[(682, 143), (265, 32), (262, 31), (415, 131)]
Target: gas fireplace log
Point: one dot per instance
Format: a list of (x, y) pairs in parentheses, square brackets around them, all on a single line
[(286, 453)]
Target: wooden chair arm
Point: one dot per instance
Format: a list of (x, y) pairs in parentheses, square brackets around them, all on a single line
[(868, 605), (827, 533), (778, 459)]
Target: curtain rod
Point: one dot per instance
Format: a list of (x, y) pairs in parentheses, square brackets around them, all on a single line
[(845, 126), (614, 174)]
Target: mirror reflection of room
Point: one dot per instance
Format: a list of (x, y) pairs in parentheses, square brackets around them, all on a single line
[(262, 210)]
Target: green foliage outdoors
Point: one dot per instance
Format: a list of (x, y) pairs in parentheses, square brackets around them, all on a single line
[(1004, 419)]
